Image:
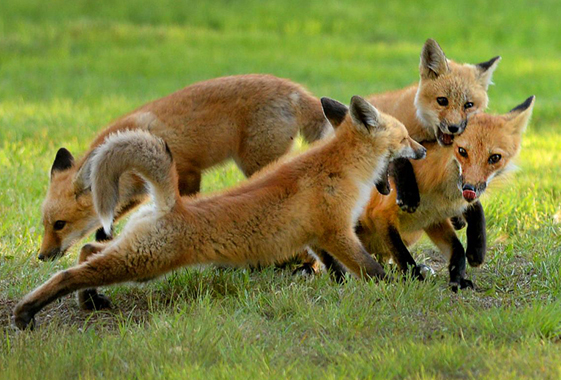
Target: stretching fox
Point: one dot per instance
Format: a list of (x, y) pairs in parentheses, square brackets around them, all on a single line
[(311, 200), (482, 153), (253, 119)]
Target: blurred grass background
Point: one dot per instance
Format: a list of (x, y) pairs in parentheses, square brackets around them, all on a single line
[(68, 68)]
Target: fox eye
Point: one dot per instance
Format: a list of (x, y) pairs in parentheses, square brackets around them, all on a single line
[(441, 100), (462, 152), (468, 105), (59, 225), (494, 158)]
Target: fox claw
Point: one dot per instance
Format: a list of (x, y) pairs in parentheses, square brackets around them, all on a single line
[(409, 208), (464, 283)]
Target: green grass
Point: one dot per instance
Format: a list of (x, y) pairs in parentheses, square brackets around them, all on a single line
[(68, 68)]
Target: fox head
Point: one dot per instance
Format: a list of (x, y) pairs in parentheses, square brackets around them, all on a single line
[(486, 149), (449, 92), (384, 130), (68, 212)]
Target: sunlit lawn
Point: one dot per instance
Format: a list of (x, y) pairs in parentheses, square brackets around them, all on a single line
[(69, 68)]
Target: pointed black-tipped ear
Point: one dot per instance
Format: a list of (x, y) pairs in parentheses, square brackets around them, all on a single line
[(519, 116), (486, 70), (363, 113), (433, 61), (63, 160), (523, 106), (334, 111)]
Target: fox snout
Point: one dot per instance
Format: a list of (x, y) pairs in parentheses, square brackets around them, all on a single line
[(50, 255), (471, 192), (453, 128), (420, 152), (446, 131)]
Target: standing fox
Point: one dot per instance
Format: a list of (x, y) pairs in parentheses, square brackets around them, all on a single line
[(450, 179), (312, 200), (253, 119)]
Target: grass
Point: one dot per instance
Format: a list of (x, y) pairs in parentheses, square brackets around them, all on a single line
[(68, 68)]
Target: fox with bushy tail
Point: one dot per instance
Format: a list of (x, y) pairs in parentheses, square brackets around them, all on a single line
[(310, 201)]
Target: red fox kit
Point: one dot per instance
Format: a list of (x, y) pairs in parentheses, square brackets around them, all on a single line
[(312, 200), (252, 119), (437, 109), (450, 179)]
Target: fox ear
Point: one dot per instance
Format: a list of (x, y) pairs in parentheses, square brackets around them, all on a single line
[(485, 70), (63, 160), (519, 116), (433, 61), (364, 114), (334, 111)]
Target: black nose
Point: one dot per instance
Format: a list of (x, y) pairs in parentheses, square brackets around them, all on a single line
[(468, 187), (453, 128), (420, 153), (41, 257)]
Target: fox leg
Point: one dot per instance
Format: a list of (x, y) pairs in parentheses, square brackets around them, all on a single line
[(401, 254), (114, 265), (476, 234), (408, 197), (90, 299), (334, 267), (444, 237), (347, 249)]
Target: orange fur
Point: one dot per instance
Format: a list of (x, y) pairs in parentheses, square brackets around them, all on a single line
[(252, 119), (441, 178), (417, 107), (310, 200)]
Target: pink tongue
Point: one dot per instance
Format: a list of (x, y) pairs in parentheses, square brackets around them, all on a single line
[(469, 195)]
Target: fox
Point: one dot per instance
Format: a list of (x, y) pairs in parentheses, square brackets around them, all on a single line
[(434, 109), (450, 179), (311, 200), (437, 108), (252, 119)]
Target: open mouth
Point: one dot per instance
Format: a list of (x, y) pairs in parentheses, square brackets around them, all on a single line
[(444, 138), (383, 184)]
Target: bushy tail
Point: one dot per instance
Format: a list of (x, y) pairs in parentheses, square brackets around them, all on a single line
[(141, 152)]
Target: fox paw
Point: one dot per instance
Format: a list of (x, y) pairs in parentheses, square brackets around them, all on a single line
[(475, 257), (409, 207), (464, 283), (91, 300), (458, 222), (23, 320)]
